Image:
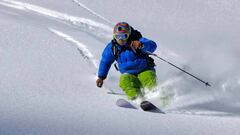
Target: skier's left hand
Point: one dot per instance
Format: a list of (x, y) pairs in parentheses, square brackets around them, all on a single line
[(136, 45)]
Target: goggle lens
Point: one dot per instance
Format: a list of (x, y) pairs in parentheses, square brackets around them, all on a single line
[(122, 36)]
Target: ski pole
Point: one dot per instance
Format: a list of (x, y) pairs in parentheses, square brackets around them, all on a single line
[(149, 53)]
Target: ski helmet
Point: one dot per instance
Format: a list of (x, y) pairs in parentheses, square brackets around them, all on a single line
[(122, 30)]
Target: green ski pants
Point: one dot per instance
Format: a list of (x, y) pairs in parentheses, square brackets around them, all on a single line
[(132, 84)]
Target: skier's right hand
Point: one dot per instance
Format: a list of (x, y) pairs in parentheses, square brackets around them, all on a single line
[(99, 82), (136, 45)]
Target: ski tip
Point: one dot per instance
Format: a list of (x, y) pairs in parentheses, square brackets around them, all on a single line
[(149, 107), (125, 104), (146, 106)]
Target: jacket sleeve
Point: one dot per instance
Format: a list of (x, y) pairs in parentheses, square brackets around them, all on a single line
[(106, 61), (149, 45)]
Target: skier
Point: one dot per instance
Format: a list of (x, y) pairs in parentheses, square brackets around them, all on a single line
[(136, 67)]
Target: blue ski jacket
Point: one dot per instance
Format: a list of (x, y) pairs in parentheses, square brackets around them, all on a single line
[(128, 61)]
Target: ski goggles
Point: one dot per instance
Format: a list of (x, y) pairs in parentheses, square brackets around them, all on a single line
[(123, 36)]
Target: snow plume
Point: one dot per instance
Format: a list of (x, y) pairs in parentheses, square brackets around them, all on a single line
[(179, 92), (99, 30), (86, 54)]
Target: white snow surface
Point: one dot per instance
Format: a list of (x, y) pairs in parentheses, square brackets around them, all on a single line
[(50, 51)]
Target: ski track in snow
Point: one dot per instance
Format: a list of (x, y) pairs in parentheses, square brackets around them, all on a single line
[(92, 12), (84, 51), (87, 25), (12, 6), (99, 30)]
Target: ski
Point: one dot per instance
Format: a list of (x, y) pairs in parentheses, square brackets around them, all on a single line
[(146, 106), (125, 104), (149, 107)]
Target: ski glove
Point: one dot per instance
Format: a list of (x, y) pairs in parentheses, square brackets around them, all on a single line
[(99, 82), (136, 45)]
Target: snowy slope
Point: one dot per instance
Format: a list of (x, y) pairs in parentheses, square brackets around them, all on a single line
[(49, 55)]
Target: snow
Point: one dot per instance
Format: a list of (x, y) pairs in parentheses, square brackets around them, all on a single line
[(50, 51)]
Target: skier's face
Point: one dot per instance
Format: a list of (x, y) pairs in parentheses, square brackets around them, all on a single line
[(122, 42)]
